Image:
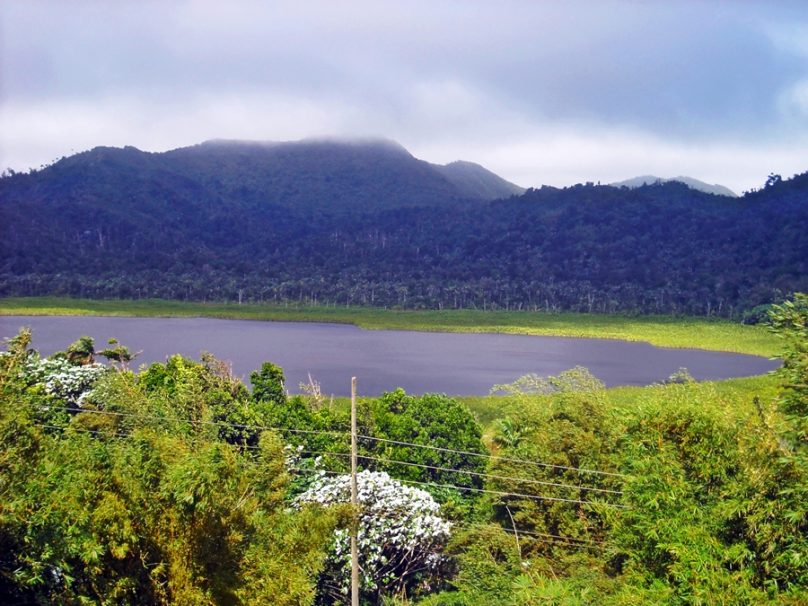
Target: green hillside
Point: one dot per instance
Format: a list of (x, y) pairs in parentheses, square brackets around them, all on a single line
[(367, 224)]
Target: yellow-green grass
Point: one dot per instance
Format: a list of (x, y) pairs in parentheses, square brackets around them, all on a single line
[(732, 397), (663, 331)]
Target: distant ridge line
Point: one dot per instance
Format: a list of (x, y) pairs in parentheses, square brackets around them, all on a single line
[(716, 189)]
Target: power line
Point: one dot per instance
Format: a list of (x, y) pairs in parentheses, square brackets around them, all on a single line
[(582, 542), (482, 490), (384, 440), (493, 476), (466, 471), (97, 432), (104, 433), (192, 421), (338, 473), (339, 434), (318, 471), (542, 535), (435, 484), (514, 494), (490, 456), (331, 472)]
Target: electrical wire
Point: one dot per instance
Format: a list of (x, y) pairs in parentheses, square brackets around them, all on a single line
[(542, 535), (515, 494), (336, 433), (97, 432), (492, 476), (490, 456), (337, 473), (572, 541), (466, 472), (193, 422), (485, 491)]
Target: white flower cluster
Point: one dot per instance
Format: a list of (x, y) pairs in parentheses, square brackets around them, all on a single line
[(293, 455), (400, 530), (62, 379)]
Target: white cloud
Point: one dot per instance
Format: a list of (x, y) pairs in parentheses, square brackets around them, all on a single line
[(561, 156), (552, 93), (789, 35), (37, 133), (793, 102), (530, 153)]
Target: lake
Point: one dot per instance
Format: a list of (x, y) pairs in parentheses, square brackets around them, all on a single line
[(452, 363)]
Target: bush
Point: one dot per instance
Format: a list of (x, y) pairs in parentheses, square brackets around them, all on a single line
[(400, 534)]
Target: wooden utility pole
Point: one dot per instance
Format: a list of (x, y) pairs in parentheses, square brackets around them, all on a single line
[(354, 503)]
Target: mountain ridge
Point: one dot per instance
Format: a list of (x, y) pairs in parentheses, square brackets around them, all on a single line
[(331, 176), (472, 178), (716, 189), (225, 221)]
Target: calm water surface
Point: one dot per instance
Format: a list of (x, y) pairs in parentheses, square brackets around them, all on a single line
[(453, 363)]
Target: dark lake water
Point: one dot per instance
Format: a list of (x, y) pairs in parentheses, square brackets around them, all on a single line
[(453, 363)]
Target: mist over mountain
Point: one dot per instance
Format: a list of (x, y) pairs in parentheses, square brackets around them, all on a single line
[(718, 190), (477, 182), (364, 222), (325, 174)]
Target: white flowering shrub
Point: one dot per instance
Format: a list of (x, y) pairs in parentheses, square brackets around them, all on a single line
[(400, 534), (62, 379)]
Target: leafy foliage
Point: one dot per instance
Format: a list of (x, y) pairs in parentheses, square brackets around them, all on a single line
[(711, 504), (442, 424), (117, 353), (81, 351), (164, 486), (268, 384), (574, 442), (790, 321), (114, 509)]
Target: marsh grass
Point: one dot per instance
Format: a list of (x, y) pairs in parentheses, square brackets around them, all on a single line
[(733, 398), (662, 331)]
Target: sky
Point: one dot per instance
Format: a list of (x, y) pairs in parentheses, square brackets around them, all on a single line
[(540, 92)]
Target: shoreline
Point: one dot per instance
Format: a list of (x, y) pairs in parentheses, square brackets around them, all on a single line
[(661, 331)]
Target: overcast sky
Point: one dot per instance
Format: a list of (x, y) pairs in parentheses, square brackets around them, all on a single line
[(539, 92)]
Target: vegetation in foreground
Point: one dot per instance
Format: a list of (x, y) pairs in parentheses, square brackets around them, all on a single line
[(663, 331), (167, 486)]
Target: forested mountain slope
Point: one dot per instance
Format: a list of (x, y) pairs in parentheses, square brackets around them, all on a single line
[(308, 174), (475, 181), (369, 224), (692, 183)]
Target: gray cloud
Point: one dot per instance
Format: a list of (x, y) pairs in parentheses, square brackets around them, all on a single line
[(541, 91)]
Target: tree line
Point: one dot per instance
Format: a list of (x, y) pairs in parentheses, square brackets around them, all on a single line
[(661, 248)]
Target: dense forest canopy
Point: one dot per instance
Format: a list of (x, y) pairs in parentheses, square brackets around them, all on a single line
[(366, 223)]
